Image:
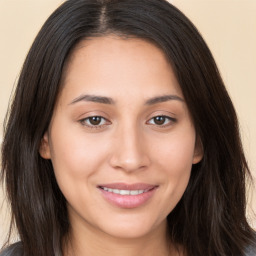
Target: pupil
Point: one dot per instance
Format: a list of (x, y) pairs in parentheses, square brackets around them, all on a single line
[(159, 120), (95, 120)]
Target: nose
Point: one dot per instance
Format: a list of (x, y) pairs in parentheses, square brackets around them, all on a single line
[(129, 151)]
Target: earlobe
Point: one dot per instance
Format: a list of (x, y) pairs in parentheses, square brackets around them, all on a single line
[(199, 151), (44, 149)]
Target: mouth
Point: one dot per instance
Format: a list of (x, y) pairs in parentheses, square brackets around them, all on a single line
[(127, 195), (125, 192)]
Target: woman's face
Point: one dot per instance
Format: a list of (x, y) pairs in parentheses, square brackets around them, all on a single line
[(121, 139)]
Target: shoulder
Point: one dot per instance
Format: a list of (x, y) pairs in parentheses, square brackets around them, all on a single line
[(13, 250), (250, 250)]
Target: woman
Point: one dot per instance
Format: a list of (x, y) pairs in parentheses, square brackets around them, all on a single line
[(122, 139)]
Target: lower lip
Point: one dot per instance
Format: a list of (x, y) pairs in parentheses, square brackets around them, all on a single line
[(128, 201)]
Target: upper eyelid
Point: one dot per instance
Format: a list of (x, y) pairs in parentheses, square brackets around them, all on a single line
[(85, 118), (89, 114), (91, 126), (173, 119), (167, 114)]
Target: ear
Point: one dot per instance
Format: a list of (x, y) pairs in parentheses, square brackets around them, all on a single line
[(44, 149), (198, 152)]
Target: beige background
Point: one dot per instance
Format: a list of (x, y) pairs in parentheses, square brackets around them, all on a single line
[(228, 26)]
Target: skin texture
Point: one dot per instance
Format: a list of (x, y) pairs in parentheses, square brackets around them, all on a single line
[(127, 145)]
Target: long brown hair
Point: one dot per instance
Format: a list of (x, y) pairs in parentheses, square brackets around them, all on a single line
[(210, 217)]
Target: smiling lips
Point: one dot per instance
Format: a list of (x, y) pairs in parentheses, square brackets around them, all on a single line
[(127, 195)]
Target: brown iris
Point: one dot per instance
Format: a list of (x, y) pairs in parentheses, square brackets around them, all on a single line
[(159, 120), (95, 120)]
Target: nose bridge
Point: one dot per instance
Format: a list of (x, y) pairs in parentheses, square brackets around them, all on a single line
[(129, 149)]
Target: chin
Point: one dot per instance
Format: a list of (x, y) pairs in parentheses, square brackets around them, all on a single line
[(133, 229)]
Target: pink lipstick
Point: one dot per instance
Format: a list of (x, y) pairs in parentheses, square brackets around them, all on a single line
[(127, 195)]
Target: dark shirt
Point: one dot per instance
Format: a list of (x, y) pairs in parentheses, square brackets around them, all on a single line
[(13, 250)]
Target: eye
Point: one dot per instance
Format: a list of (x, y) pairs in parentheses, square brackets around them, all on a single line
[(161, 120), (94, 121)]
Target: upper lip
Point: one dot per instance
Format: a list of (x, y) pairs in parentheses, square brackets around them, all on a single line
[(124, 186)]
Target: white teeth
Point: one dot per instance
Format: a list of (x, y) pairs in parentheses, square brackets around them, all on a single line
[(125, 192), (134, 192)]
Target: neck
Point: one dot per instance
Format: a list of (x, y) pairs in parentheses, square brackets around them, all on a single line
[(84, 241)]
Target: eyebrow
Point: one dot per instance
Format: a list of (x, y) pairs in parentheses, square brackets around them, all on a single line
[(93, 98), (107, 100), (164, 98)]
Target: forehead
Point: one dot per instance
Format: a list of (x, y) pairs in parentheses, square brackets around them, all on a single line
[(116, 43), (111, 62)]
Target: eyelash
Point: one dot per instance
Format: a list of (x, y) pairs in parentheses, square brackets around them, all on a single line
[(167, 121), (87, 121)]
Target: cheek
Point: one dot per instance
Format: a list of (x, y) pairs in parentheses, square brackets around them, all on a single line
[(176, 152), (75, 154), (75, 158), (175, 157)]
